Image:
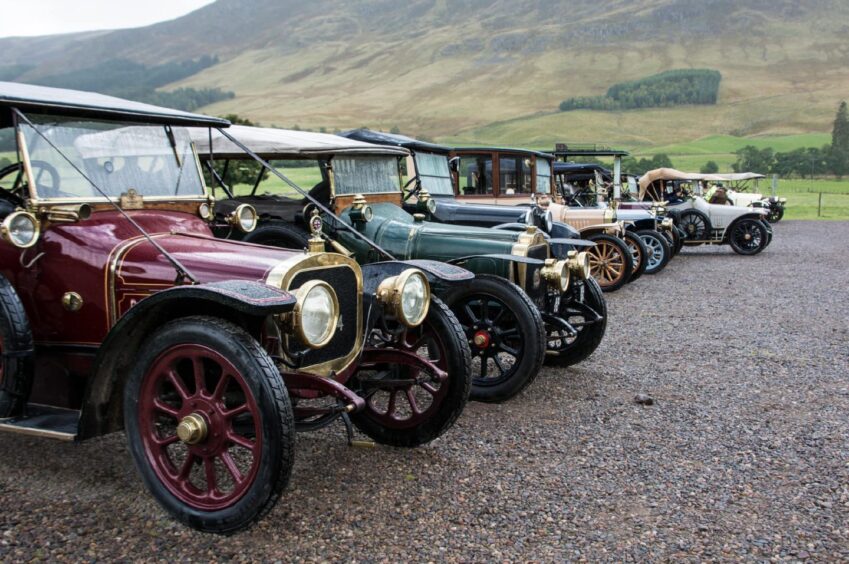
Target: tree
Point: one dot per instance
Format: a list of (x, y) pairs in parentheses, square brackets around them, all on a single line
[(752, 159), (710, 168), (839, 158)]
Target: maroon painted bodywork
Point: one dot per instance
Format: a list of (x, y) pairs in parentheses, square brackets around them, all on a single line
[(80, 257)]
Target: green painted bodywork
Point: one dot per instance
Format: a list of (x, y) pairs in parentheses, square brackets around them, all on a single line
[(400, 234)]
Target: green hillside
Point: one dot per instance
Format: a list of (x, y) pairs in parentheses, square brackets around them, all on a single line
[(490, 71)]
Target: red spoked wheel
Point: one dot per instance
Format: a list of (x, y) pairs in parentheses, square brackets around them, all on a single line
[(406, 405), (209, 423), (192, 401)]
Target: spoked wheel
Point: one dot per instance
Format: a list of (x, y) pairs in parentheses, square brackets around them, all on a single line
[(639, 254), (587, 316), (506, 335), (406, 407), (695, 224), (209, 424), (659, 253), (775, 214), (747, 237), (611, 262)]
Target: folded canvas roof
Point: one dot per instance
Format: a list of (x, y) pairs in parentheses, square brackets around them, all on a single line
[(76, 103), (653, 176), (280, 143)]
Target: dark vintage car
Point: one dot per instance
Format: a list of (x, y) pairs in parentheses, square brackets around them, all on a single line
[(524, 302), (590, 185), (463, 195), (119, 309)]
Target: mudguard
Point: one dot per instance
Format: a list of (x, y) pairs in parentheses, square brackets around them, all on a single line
[(512, 226), (560, 230), (438, 273), (246, 303)]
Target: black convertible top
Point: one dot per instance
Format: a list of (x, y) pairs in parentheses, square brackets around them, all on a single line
[(76, 103), (380, 138), (547, 156)]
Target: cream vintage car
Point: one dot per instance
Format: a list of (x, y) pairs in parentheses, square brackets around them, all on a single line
[(745, 229), (741, 189)]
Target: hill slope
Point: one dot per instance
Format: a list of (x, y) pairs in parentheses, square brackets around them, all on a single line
[(467, 69)]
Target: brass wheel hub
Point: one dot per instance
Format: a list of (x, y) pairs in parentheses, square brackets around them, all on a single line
[(747, 237), (192, 429)]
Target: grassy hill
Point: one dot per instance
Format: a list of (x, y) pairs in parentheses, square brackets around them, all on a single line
[(492, 71)]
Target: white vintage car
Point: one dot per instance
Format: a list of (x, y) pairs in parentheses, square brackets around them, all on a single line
[(745, 229)]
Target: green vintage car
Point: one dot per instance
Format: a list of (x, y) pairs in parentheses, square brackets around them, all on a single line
[(522, 304)]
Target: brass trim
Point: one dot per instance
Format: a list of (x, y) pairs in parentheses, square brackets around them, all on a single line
[(296, 317), (281, 277), (72, 301), (555, 271), (234, 218), (192, 429), (5, 229), (131, 200), (390, 293)]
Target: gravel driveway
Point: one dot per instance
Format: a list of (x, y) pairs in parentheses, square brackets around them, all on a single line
[(743, 454)]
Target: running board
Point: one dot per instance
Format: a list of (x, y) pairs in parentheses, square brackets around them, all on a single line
[(44, 421)]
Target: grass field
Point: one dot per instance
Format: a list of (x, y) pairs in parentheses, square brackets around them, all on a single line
[(803, 198)]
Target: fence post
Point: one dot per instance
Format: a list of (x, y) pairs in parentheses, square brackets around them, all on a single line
[(819, 206), (774, 184)]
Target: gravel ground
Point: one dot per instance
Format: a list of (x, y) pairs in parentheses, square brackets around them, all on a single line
[(743, 454)]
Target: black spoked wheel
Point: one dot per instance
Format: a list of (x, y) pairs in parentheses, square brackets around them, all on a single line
[(659, 250), (209, 424), (775, 214), (406, 407), (639, 254), (695, 224), (747, 237), (588, 315), (611, 262), (506, 335)]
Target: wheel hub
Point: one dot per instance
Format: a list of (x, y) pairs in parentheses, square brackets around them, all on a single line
[(747, 236), (482, 339), (192, 429)]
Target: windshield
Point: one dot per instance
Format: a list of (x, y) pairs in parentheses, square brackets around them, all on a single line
[(366, 175), (155, 161), (543, 176), (434, 173)]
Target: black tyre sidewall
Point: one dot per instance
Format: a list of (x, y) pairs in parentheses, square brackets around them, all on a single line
[(278, 234), (459, 369), (745, 252), (589, 338), (271, 398), (18, 369), (640, 269), (705, 221), (530, 325), (664, 243)]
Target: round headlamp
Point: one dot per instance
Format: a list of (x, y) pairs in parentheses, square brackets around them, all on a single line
[(667, 223), (21, 229), (408, 296), (244, 217), (579, 263), (549, 221), (558, 273), (362, 214), (431, 206), (316, 313)]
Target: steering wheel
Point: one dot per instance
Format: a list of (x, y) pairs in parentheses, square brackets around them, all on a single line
[(51, 190), (14, 191)]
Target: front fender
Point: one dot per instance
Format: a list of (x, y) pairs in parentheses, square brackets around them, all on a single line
[(560, 230), (243, 302), (438, 273)]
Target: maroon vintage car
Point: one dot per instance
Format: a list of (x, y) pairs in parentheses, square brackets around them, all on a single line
[(119, 309)]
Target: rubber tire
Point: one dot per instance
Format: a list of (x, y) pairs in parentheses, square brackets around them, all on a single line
[(459, 357), (15, 336), (278, 234), (631, 237), (531, 327), (588, 340), (664, 243), (777, 215), (705, 220), (272, 398), (625, 251), (746, 252)]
